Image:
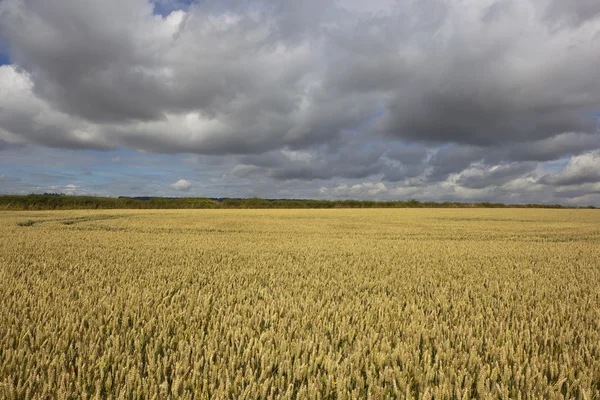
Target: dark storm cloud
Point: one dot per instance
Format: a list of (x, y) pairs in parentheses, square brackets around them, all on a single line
[(351, 160), (78, 62), (408, 155), (572, 12), (452, 159), (485, 84), (455, 158), (404, 163), (301, 172), (548, 149), (223, 77), (232, 77)]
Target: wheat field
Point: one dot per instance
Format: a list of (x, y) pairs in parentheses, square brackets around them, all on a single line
[(300, 304)]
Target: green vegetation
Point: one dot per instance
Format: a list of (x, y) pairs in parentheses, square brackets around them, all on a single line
[(61, 202), (51, 201), (26, 223)]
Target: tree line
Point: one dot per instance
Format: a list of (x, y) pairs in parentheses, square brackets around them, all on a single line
[(58, 201)]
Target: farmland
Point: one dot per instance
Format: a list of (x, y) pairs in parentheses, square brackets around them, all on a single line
[(332, 304)]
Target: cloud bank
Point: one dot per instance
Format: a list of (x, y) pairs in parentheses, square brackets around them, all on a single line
[(460, 99)]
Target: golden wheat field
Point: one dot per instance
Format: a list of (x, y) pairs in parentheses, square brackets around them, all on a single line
[(300, 304)]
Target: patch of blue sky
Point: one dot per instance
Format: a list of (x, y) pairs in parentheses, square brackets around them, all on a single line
[(378, 143), (597, 116), (556, 165), (406, 145), (379, 112), (98, 168), (4, 58), (365, 124), (165, 7), (125, 159), (33, 175), (4, 53), (121, 151), (443, 146)]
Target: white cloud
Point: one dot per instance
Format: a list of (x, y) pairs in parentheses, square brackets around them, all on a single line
[(581, 169), (116, 160), (522, 184), (359, 190), (182, 185), (70, 189)]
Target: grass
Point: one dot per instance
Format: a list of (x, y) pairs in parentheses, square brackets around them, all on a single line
[(26, 223)]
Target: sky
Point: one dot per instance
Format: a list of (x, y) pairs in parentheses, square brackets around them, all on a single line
[(444, 100)]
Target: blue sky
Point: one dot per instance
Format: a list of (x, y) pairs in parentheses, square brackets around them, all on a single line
[(4, 58), (165, 7)]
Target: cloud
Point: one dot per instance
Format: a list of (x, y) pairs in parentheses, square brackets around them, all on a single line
[(24, 118), (573, 13), (238, 78), (182, 185), (206, 80), (453, 98), (68, 189), (549, 149), (581, 169), (453, 159), (486, 84), (481, 176), (360, 190), (347, 159)]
